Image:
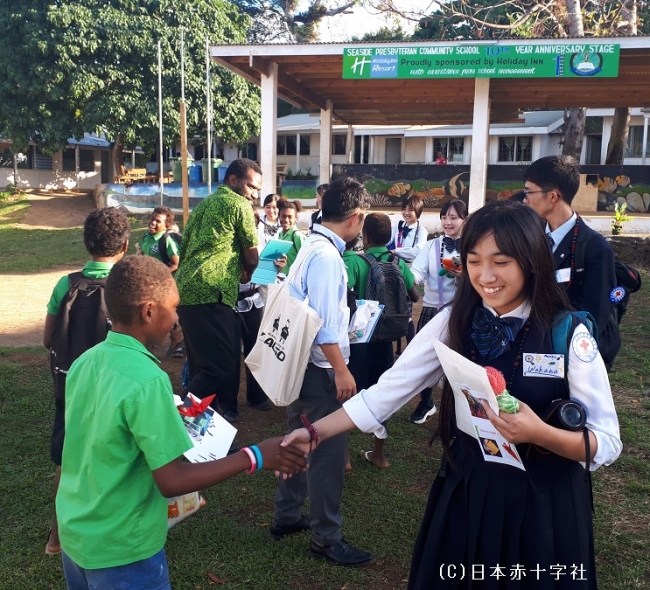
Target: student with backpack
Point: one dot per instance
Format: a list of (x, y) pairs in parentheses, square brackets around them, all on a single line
[(483, 515), (77, 319), (160, 241), (380, 276), (163, 242), (439, 282)]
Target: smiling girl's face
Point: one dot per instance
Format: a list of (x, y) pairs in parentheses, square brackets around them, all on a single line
[(496, 277), (451, 223), (271, 211)]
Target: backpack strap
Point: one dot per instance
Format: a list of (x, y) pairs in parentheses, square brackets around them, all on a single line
[(162, 248), (564, 324), (438, 243)]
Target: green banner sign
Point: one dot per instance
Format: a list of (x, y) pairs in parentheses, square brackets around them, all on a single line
[(569, 60)]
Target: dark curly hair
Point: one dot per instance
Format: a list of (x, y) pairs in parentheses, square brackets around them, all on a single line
[(134, 280), (105, 231), (167, 212)]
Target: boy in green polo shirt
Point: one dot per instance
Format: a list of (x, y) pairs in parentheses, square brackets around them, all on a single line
[(161, 220), (369, 361), (122, 454), (106, 237)]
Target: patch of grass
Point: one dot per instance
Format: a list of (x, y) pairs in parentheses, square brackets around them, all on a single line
[(382, 510)]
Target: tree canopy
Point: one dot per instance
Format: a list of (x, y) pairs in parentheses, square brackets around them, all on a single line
[(70, 66)]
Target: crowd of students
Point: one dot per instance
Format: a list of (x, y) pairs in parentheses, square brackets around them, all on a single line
[(488, 278)]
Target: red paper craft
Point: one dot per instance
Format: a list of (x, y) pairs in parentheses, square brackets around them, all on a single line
[(496, 379), (197, 408)]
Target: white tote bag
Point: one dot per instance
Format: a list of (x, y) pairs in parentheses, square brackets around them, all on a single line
[(278, 360)]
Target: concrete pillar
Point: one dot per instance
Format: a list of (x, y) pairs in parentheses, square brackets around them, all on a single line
[(268, 134), (349, 145), (428, 151), (480, 143), (325, 143)]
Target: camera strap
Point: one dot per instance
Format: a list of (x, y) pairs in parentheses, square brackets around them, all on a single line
[(585, 433)]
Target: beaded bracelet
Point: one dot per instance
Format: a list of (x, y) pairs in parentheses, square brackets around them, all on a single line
[(258, 456), (253, 459)]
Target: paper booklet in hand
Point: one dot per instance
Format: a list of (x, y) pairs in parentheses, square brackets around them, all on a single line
[(364, 321), (266, 271), (470, 383), (211, 435)]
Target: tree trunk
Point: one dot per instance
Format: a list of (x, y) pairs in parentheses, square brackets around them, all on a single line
[(574, 26), (618, 139), (574, 131), (620, 125), (118, 156)]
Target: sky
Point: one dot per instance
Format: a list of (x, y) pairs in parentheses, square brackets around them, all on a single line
[(362, 21)]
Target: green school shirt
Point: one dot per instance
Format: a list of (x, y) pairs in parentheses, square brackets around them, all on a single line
[(358, 270), (121, 424), (92, 269), (218, 230), (149, 245), (297, 239)]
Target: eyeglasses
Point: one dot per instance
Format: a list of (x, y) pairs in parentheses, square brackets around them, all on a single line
[(527, 192)]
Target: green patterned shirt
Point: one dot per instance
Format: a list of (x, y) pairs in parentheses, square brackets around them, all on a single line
[(211, 252)]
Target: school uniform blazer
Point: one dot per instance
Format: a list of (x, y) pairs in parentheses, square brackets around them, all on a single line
[(593, 284)]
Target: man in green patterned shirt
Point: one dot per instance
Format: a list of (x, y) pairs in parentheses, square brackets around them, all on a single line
[(218, 250)]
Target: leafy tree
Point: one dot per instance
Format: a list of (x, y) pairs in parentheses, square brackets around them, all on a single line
[(281, 21), (92, 66)]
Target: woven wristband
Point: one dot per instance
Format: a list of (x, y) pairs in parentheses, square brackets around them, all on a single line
[(258, 456), (252, 458)]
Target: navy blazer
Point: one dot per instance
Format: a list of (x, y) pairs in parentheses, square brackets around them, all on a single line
[(593, 282)]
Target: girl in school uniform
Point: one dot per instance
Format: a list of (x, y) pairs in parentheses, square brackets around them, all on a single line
[(269, 224), (438, 290), (483, 515)]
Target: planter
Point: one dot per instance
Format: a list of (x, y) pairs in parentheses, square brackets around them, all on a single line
[(299, 189), (616, 230)]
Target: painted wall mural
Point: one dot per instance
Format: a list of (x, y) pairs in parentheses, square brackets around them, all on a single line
[(438, 184)]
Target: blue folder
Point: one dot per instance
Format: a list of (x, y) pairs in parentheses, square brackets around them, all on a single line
[(266, 271)]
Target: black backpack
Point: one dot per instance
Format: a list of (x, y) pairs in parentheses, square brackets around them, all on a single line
[(81, 323), (162, 245), (386, 285)]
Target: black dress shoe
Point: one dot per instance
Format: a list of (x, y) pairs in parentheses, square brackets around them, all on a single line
[(280, 531), (265, 406), (231, 416), (341, 553)]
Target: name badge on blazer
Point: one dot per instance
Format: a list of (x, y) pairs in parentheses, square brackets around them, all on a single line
[(563, 275), (537, 364)]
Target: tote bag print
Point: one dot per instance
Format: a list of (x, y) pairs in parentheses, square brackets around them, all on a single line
[(279, 358)]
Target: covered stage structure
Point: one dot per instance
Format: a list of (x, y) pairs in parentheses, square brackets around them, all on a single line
[(438, 83)]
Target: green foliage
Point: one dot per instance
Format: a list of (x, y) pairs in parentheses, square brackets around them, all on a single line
[(395, 33), (300, 175), (92, 66)]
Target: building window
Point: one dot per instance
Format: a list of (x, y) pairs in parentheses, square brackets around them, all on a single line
[(68, 160), (634, 147), (304, 145), (37, 160), (249, 151), (516, 149), (450, 147), (86, 160), (338, 144), (361, 149)]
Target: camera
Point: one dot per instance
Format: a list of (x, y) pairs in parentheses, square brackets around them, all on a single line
[(567, 414)]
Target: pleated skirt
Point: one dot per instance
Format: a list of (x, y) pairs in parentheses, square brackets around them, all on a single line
[(492, 526)]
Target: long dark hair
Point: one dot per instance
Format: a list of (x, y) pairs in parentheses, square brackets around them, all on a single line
[(518, 232)]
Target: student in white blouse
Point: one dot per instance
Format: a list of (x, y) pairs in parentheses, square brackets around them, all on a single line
[(480, 512)]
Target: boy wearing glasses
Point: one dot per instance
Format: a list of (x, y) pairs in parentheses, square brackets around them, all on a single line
[(584, 261)]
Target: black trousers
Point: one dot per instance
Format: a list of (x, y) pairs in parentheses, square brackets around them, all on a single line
[(212, 341), (252, 320)]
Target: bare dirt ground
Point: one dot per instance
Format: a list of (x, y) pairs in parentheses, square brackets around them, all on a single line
[(25, 296)]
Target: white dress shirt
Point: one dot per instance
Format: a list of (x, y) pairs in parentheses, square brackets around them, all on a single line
[(560, 233), (412, 243), (418, 367), (425, 269)]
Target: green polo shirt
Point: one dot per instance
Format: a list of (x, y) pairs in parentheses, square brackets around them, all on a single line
[(121, 424), (149, 245), (218, 230), (297, 239), (92, 269), (358, 270)]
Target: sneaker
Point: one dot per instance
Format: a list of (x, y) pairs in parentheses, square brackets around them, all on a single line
[(422, 413), (280, 531), (231, 416), (341, 553)]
